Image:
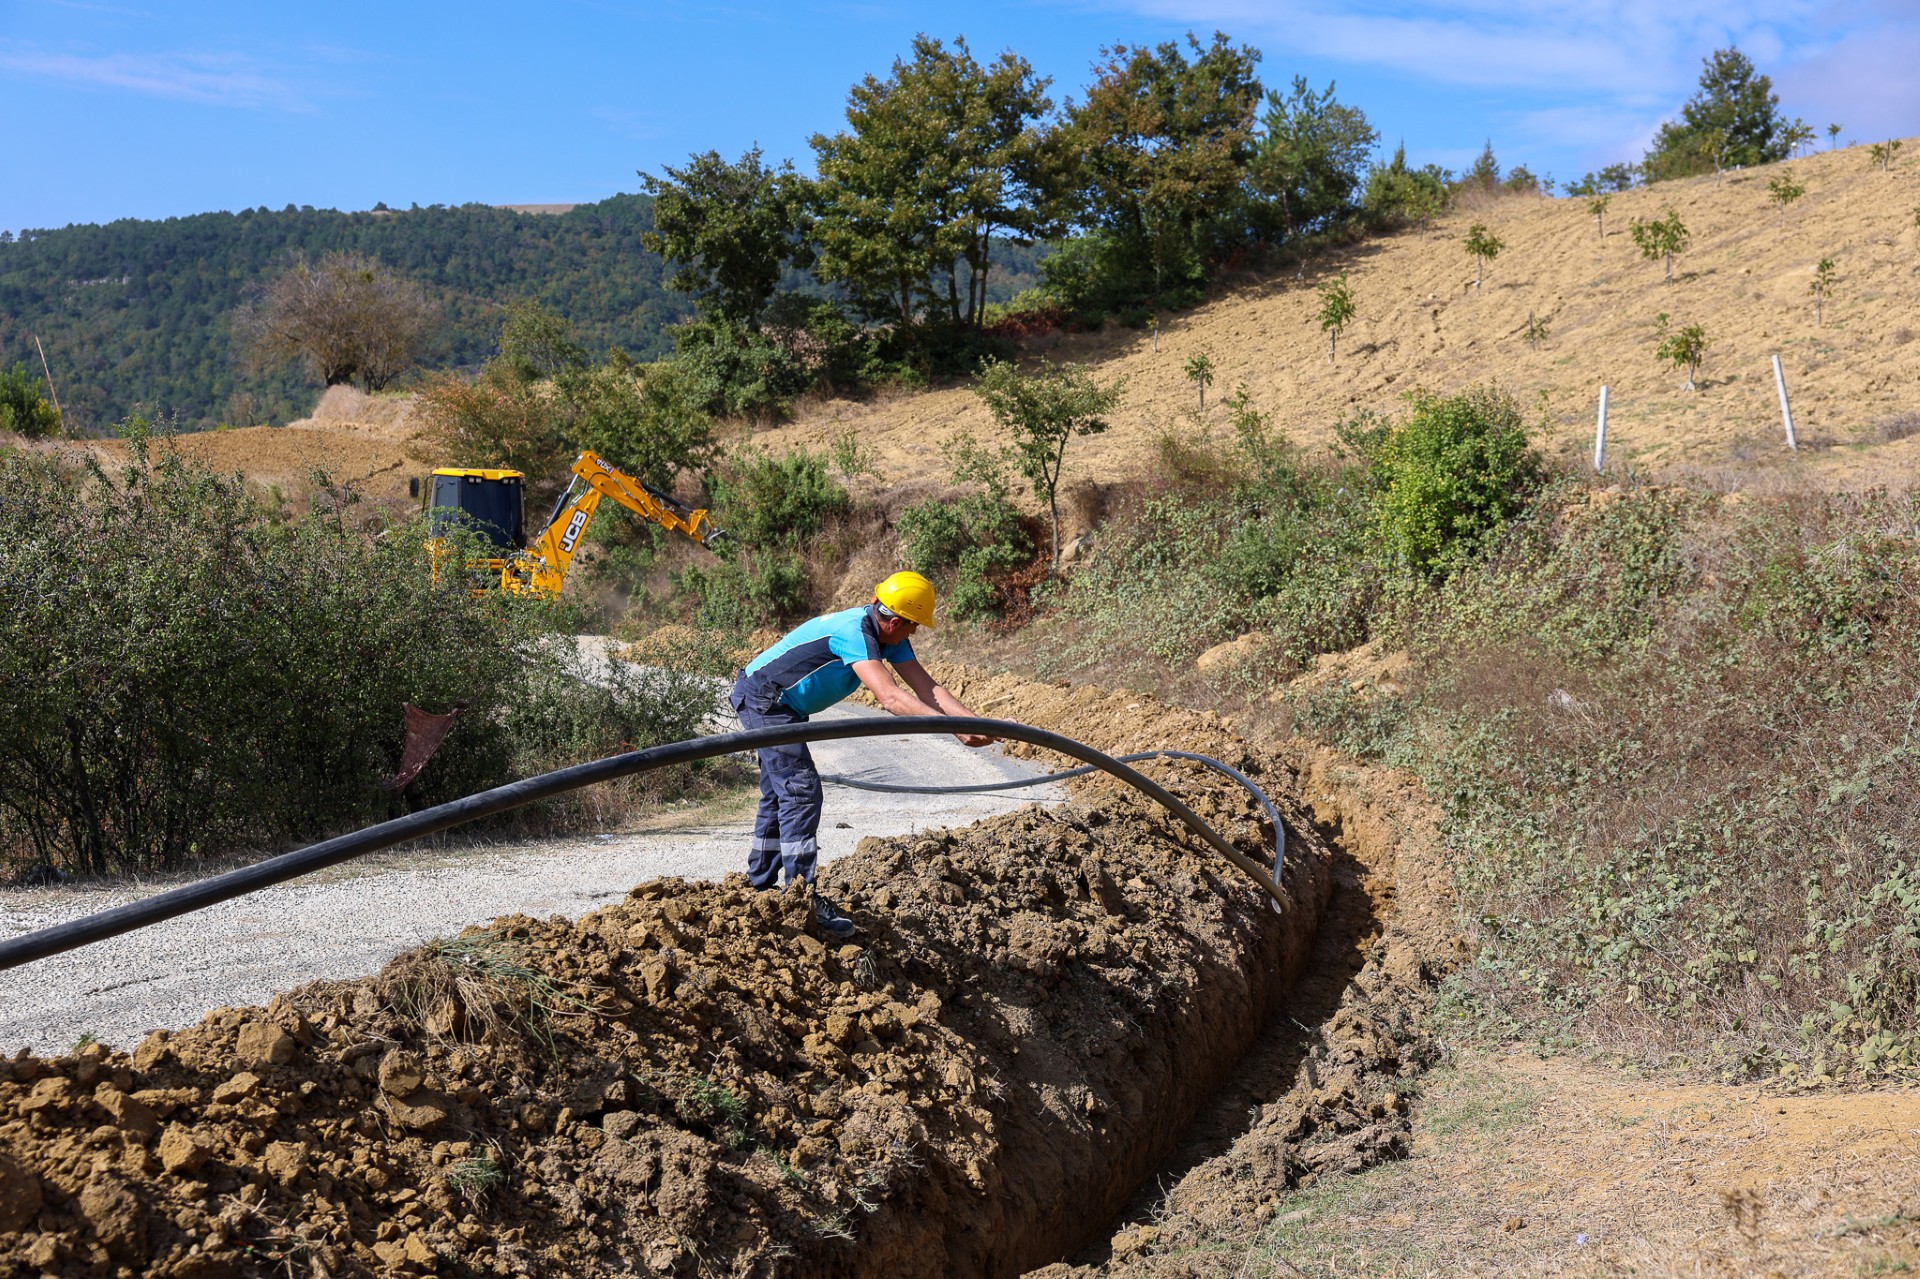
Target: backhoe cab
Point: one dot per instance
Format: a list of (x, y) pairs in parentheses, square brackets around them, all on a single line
[(490, 502)]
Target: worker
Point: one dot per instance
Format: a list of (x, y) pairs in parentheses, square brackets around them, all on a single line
[(817, 664)]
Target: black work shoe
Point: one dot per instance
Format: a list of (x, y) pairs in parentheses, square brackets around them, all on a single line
[(829, 919)]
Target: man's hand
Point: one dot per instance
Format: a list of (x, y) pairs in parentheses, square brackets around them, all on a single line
[(975, 739)]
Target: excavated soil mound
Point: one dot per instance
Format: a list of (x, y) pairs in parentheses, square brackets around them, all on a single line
[(693, 1081)]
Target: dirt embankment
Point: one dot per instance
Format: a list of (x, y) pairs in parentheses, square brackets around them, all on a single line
[(692, 1081), (1327, 1086)]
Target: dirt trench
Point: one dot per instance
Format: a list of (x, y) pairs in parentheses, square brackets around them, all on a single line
[(1328, 1085), (692, 1082)]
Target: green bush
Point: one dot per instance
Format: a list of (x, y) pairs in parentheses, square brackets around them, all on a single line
[(1447, 478), (23, 408), (644, 420), (738, 594), (1253, 543), (180, 677), (765, 500), (971, 537)]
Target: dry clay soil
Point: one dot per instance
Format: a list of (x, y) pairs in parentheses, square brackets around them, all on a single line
[(694, 1082)]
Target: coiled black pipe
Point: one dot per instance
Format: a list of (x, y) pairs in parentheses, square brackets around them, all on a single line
[(275, 870), (1252, 788)]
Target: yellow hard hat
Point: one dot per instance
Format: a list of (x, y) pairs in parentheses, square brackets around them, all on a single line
[(908, 594)]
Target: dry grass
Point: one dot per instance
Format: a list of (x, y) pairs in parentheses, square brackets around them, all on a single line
[(1745, 279), (1528, 1167)]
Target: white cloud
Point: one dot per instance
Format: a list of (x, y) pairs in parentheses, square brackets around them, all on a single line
[(1631, 48), (230, 80), (1864, 81)]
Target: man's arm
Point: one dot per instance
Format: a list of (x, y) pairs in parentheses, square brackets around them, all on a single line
[(927, 697)]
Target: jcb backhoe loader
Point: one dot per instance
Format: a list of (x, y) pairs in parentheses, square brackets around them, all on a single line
[(490, 503)]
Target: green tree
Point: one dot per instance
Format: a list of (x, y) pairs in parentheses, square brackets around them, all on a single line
[(347, 317), (1782, 190), (1597, 206), (538, 343), (1661, 238), (731, 229), (1483, 246), (1336, 310), (1682, 348), (1162, 143), (1043, 412), (1199, 371), (1881, 154), (1396, 193), (1798, 136), (940, 158), (1311, 157), (1833, 136), (1520, 181), (1822, 285), (23, 408), (1485, 173), (1734, 119)]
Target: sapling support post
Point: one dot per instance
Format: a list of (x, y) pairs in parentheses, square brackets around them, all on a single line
[(1600, 435), (1786, 410)]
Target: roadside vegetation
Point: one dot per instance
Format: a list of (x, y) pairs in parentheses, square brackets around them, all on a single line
[(1673, 734), (187, 676)]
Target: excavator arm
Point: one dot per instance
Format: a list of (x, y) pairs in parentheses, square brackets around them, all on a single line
[(543, 566)]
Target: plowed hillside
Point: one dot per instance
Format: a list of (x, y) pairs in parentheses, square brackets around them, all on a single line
[(352, 438), (1855, 381)]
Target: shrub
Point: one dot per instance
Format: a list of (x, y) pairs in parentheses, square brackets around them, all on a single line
[(974, 536), (736, 595), (494, 420), (646, 421), (1448, 478), (765, 500), (181, 677), (23, 409), (738, 371), (1255, 543)]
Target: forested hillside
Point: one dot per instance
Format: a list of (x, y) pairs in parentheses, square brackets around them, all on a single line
[(138, 314)]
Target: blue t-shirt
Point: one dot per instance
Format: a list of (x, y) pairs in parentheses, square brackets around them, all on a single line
[(813, 664)]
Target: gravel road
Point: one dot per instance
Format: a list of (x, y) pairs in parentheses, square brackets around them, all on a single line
[(351, 919)]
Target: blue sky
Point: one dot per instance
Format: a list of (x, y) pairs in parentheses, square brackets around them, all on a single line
[(127, 108)]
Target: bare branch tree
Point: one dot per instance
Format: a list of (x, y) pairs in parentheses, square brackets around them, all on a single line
[(347, 317)]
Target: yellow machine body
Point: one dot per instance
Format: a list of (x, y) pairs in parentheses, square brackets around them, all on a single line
[(491, 503)]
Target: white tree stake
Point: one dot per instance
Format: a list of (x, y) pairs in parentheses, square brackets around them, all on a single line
[(1600, 435), (1786, 413)]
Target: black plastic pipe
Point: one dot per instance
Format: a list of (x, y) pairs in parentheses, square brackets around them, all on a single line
[(277, 870), (1218, 766)]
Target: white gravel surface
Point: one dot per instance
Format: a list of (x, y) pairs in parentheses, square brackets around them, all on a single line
[(351, 919)]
